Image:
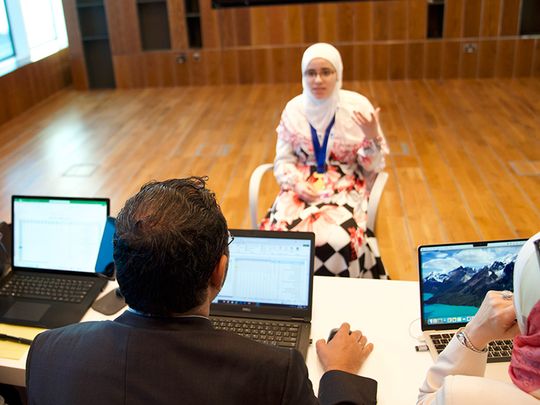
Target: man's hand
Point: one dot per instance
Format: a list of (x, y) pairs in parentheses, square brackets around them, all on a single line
[(496, 319), (345, 352)]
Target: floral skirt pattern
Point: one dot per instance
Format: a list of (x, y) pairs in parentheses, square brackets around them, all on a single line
[(338, 220)]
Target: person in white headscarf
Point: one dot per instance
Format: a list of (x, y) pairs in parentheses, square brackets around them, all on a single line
[(457, 377), (329, 145)]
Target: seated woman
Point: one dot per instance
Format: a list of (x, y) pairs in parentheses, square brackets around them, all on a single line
[(457, 377), (329, 144)]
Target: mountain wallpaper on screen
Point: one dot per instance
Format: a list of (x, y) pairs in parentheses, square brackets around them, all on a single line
[(468, 286)]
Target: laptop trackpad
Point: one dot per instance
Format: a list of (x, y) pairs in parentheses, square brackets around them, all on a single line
[(29, 311)]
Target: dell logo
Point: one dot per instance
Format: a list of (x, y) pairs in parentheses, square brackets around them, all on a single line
[(246, 309)]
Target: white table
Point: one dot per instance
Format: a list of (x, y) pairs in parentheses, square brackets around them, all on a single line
[(383, 310)]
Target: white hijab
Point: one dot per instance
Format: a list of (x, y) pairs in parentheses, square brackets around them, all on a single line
[(319, 113), (526, 282)]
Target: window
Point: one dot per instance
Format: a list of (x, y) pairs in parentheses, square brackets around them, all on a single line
[(44, 26), (30, 30), (6, 44)]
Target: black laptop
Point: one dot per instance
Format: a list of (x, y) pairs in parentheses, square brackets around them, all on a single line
[(268, 293), (55, 247)]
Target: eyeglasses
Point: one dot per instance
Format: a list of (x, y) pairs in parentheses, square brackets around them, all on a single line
[(231, 238), (323, 74)]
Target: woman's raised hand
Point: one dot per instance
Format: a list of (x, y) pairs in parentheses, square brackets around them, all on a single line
[(370, 125)]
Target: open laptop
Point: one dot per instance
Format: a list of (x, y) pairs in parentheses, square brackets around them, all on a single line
[(268, 292), (56, 241), (454, 278)]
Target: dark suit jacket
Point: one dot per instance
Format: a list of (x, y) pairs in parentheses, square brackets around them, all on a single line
[(141, 360)]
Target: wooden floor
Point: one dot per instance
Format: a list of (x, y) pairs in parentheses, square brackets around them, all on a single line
[(465, 159)]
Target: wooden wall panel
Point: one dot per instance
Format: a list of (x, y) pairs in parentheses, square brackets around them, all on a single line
[(197, 69), (487, 53), (78, 67), (310, 17), (362, 62), (242, 18), (327, 22), (347, 56), (510, 17), (276, 17), (280, 67), (363, 17), (159, 69), (213, 66), (397, 66), (346, 22), (417, 19), (433, 59), (294, 56), (177, 23), (381, 18), (504, 63), (293, 25), (450, 60), (123, 25), (226, 28), (471, 18), (182, 74), (491, 17), (262, 62), (72, 28), (453, 21), (524, 58), (415, 60), (397, 28), (245, 66), (230, 66), (378, 39), (32, 83), (536, 58), (78, 73), (380, 62), (209, 25), (469, 63), (260, 31)]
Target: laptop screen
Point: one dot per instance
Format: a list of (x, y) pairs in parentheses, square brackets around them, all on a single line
[(52, 233), (454, 279), (268, 271)]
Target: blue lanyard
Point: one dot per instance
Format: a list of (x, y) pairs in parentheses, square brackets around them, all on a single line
[(320, 152)]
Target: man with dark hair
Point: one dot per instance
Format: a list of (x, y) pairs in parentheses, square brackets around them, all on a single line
[(171, 253)]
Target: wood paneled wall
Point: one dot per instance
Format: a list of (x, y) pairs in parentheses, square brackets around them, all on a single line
[(32, 83), (377, 39)]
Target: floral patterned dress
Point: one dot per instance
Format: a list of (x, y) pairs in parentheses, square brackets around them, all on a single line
[(338, 216)]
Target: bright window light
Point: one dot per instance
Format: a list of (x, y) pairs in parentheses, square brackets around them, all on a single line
[(45, 27), (6, 44)]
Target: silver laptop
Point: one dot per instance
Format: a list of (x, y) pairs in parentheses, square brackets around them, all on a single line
[(454, 278), (55, 246), (268, 293)]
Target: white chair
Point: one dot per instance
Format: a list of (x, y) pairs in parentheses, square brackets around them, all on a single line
[(375, 186)]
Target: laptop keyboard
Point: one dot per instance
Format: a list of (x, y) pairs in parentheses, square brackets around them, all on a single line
[(49, 288), (275, 333), (498, 350)]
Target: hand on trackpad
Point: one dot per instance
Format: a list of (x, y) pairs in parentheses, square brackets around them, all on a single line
[(29, 311)]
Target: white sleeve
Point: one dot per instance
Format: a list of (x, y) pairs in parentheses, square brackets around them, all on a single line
[(455, 359), (285, 170)]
